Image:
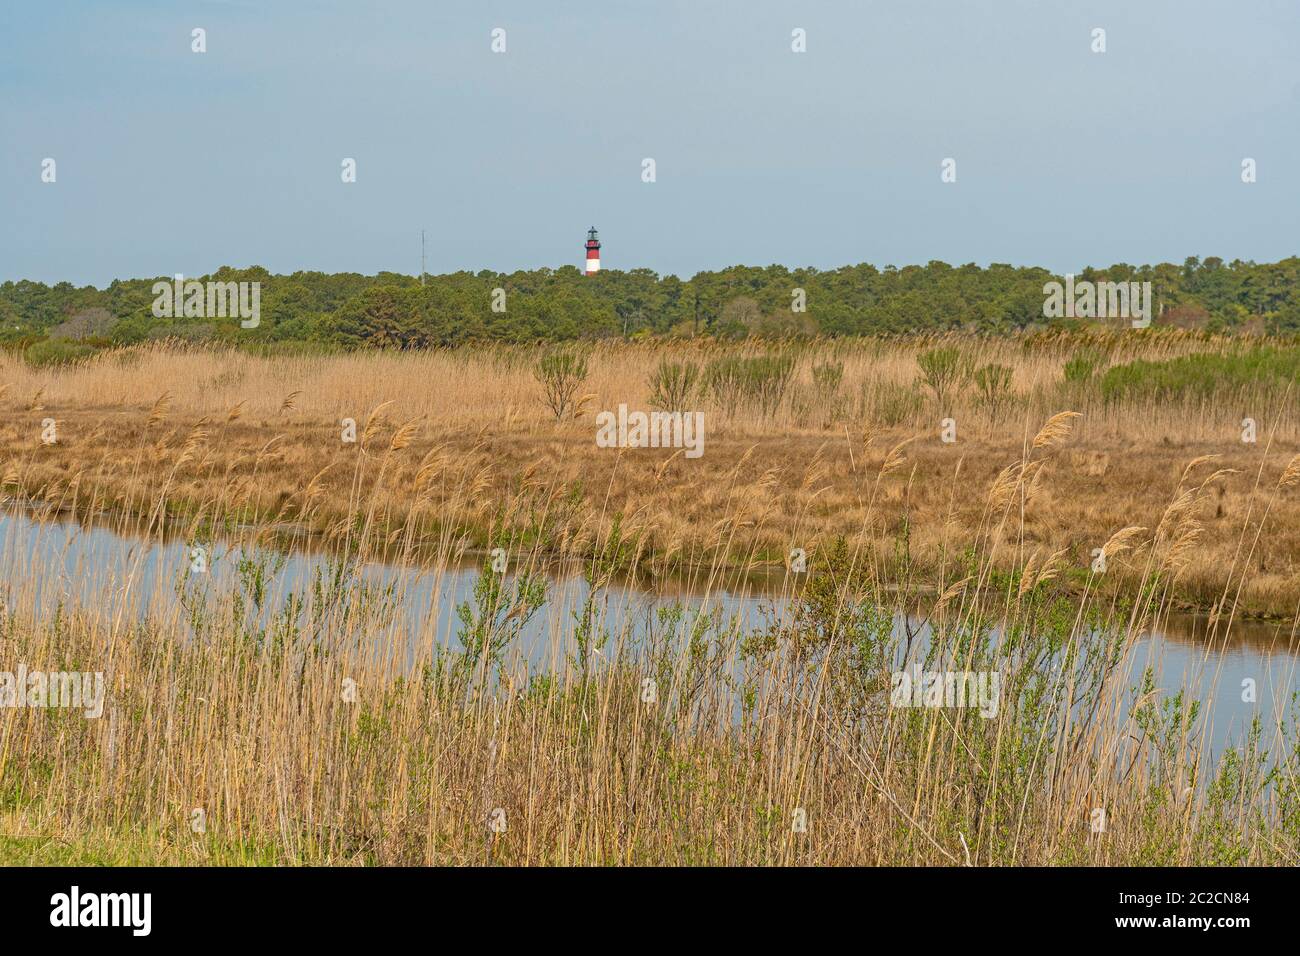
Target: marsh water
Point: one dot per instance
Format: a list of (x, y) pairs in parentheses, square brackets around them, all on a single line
[(54, 564)]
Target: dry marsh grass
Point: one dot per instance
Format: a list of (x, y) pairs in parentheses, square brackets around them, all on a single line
[(229, 702), (322, 729), (264, 435)]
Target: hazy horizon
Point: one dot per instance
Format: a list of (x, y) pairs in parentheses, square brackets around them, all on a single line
[(172, 161)]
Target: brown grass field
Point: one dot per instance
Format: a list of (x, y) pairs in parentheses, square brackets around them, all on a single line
[(762, 746), (480, 447)]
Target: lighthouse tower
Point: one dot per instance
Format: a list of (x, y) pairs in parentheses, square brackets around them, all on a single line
[(593, 252)]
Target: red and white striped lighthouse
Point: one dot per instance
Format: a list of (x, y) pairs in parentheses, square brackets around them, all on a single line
[(593, 252)]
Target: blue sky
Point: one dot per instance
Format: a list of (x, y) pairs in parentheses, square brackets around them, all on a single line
[(170, 161)]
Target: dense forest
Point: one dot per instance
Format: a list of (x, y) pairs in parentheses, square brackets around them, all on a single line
[(389, 310)]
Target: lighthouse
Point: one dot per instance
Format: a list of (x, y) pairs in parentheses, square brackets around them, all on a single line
[(593, 252)]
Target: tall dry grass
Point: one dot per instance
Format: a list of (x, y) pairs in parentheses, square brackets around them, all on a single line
[(315, 723), (489, 385), (264, 434)]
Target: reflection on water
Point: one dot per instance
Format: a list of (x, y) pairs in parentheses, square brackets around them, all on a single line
[(55, 564)]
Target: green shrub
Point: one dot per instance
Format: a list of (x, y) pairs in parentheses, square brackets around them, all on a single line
[(760, 380), (672, 384), (946, 371), (769, 378), (895, 404), (993, 388), (1202, 375), (560, 371), (53, 352), (1081, 369), (724, 379)]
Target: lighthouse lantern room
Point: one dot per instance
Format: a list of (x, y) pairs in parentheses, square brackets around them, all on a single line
[(593, 252)]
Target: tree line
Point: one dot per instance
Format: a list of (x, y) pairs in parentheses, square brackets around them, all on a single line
[(390, 310)]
